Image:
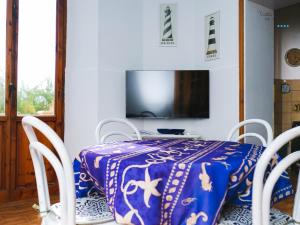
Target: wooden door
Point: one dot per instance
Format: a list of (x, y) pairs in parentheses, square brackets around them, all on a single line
[(34, 85)]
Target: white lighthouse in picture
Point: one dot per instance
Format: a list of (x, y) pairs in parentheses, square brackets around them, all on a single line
[(212, 42)]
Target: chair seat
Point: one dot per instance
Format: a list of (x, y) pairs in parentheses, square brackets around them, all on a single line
[(88, 211), (235, 215)]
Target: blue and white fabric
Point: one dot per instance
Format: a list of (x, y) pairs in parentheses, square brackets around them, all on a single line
[(172, 181)]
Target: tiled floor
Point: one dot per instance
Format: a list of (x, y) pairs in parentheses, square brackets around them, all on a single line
[(22, 213)]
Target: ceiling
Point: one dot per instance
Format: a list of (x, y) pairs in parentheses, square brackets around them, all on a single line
[(276, 4)]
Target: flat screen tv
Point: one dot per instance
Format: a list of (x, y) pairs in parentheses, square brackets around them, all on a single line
[(167, 94)]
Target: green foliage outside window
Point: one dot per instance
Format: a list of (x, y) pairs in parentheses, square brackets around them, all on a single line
[(2, 95), (35, 100)]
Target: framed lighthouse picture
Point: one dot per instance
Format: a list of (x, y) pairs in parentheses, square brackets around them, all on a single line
[(212, 36), (168, 23)]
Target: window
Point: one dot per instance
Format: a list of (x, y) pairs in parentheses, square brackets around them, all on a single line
[(2, 55), (36, 57)]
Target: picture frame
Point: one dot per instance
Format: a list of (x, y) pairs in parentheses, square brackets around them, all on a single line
[(212, 36), (168, 25)]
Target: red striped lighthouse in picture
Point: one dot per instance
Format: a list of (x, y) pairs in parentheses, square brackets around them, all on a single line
[(168, 25)]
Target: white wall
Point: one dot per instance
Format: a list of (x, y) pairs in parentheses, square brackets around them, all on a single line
[(120, 49), (189, 54), (81, 83), (105, 38), (287, 38), (259, 63)]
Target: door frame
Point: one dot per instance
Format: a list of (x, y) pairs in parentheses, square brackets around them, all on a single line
[(8, 189), (241, 63)]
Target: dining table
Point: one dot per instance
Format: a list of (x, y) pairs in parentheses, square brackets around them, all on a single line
[(172, 181)]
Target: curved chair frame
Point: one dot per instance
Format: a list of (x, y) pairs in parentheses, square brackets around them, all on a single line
[(258, 136), (63, 212), (264, 123), (39, 150), (262, 192), (101, 140)]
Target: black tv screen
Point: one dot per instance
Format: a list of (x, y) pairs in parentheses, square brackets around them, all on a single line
[(167, 94)]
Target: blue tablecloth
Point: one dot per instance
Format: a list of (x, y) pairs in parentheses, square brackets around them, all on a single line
[(167, 181)]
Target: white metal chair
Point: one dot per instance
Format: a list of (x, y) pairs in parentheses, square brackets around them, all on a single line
[(69, 210), (262, 191), (265, 124), (102, 139)]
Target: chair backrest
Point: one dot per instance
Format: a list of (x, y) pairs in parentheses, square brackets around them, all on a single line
[(62, 166), (101, 139), (265, 124), (262, 191)]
